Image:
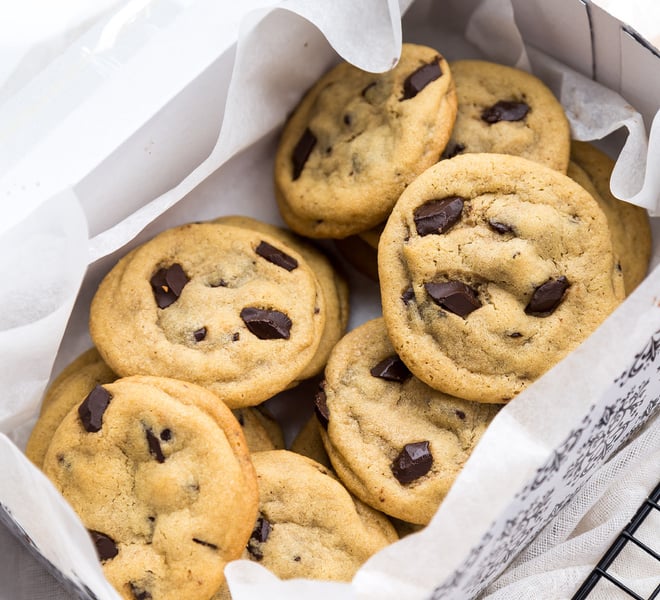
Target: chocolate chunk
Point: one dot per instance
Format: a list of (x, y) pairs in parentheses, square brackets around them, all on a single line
[(413, 462), (277, 257), (235, 337), (454, 296), (259, 536), (203, 543), (166, 435), (547, 297), (391, 368), (200, 334), (139, 593), (302, 151), (106, 548), (408, 296), (167, 284), (321, 406), (267, 324), (261, 530), (453, 150), (93, 407), (500, 227), (419, 79), (505, 110), (460, 414), (154, 446), (438, 216)]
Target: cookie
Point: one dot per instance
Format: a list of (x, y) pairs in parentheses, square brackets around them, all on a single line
[(309, 526), (159, 473), (68, 389), (308, 442), (361, 250), (261, 432), (357, 139), (629, 224), (230, 309), (333, 285), (396, 443), (88, 359), (507, 111), (492, 269)]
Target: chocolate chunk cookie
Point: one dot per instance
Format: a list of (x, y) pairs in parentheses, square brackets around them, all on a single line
[(492, 269), (333, 285), (159, 473), (309, 526), (629, 224), (357, 139), (261, 432), (508, 111), (68, 389), (396, 443), (234, 310)]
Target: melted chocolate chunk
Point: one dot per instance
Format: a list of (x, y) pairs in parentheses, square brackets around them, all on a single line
[(321, 406), (203, 543), (454, 296), (505, 110), (167, 284), (391, 368), (277, 257), (267, 324), (453, 150), (93, 407), (106, 548), (139, 593), (154, 446), (302, 151), (438, 216), (547, 297), (413, 462), (500, 227), (200, 334), (408, 296), (419, 79), (259, 536)]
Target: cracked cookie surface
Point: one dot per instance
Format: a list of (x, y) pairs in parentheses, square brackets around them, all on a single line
[(357, 139), (492, 269), (396, 443), (233, 310), (159, 473)]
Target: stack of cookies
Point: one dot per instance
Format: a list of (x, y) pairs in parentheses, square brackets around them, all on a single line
[(447, 184)]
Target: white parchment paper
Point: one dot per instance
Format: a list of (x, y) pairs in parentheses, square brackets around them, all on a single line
[(541, 447)]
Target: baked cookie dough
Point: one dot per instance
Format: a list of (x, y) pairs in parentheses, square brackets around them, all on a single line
[(159, 472), (506, 110), (67, 390), (629, 224), (309, 526), (492, 269), (396, 443), (231, 309), (357, 139), (333, 285)]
